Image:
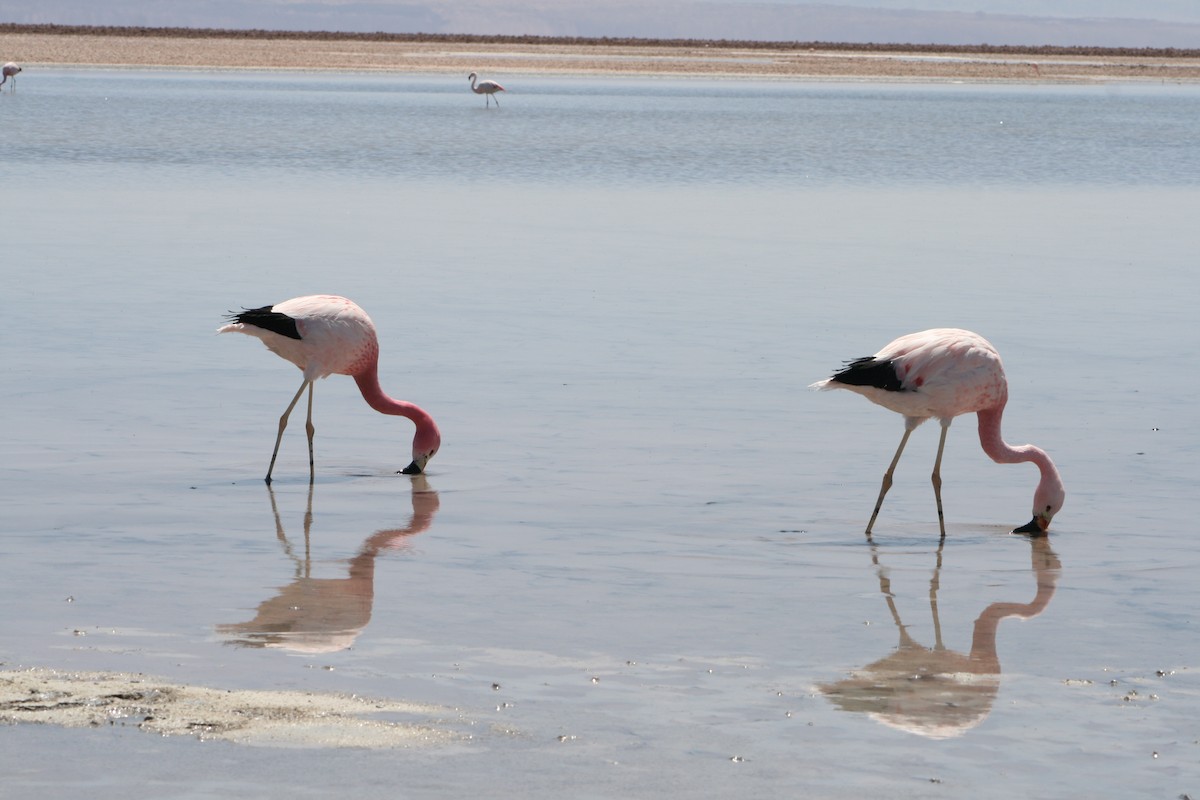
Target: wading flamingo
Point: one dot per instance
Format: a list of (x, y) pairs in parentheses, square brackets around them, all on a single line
[(942, 373), (488, 88), (10, 70), (325, 335)]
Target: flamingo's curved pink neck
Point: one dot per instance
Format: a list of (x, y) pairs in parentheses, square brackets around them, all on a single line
[(372, 392), (1003, 453)]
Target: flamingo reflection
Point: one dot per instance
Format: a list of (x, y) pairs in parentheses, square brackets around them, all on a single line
[(324, 615), (936, 692)]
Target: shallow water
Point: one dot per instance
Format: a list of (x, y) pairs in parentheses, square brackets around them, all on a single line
[(637, 565)]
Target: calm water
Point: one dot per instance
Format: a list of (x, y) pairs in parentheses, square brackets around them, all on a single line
[(561, 132), (642, 529)]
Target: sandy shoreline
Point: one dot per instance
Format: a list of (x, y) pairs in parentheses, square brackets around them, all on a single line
[(279, 718), (34, 50)]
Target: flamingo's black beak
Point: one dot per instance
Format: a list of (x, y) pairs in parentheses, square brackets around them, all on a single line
[(418, 465), (1035, 527)]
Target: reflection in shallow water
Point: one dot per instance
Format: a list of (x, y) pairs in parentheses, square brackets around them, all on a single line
[(324, 615), (932, 691)]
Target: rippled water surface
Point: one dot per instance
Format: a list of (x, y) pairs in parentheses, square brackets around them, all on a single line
[(637, 565)]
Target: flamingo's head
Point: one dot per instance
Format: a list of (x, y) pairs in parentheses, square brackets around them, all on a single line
[(426, 442), (1047, 501)]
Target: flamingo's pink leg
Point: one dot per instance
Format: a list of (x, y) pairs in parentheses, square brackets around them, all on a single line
[(308, 426), (937, 477), (887, 477), (283, 424)]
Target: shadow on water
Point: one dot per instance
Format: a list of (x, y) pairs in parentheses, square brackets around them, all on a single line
[(933, 691), (324, 615)]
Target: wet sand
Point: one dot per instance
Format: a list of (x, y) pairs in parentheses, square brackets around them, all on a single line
[(705, 59), (273, 718)]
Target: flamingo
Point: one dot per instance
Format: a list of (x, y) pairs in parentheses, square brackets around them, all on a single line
[(942, 373), (323, 335), (10, 70), (488, 88)]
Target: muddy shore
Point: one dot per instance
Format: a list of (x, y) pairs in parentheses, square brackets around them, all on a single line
[(230, 50)]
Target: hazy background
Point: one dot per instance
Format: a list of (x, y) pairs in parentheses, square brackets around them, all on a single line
[(1109, 23)]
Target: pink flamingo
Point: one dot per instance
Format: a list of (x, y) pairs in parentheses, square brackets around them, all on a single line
[(10, 70), (942, 373), (488, 88), (323, 335)]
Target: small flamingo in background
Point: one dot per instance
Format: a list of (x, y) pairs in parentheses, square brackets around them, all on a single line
[(488, 88), (325, 335), (942, 373), (10, 70)]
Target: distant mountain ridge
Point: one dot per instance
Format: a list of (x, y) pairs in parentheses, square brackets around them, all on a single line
[(665, 19)]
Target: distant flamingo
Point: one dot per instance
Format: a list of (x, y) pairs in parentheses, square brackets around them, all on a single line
[(10, 70), (942, 373), (488, 88), (325, 335)]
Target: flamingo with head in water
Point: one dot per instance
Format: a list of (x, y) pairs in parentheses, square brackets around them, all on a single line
[(325, 335), (940, 374), (487, 88), (9, 70)]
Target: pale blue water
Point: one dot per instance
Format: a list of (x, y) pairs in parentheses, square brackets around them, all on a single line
[(611, 132), (611, 294)]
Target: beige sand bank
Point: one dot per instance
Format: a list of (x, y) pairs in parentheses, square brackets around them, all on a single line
[(273, 718), (35, 50)]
